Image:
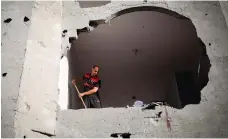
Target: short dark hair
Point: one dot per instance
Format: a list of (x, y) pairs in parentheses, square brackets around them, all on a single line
[(94, 66)]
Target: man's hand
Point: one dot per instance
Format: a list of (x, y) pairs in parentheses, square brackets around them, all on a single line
[(74, 81), (82, 94)]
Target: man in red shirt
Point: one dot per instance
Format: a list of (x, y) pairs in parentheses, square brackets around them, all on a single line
[(92, 83)]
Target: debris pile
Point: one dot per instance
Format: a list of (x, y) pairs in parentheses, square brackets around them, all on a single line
[(152, 105)]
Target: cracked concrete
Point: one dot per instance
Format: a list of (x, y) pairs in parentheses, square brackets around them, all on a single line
[(32, 73), (211, 28)]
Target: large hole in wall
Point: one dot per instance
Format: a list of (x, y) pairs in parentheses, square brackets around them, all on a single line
[(144, 55)]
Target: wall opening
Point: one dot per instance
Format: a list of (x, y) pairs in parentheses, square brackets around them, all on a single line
[(143, 55)]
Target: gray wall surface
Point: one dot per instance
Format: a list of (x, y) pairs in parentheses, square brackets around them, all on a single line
[(13, 46), (37, 101)]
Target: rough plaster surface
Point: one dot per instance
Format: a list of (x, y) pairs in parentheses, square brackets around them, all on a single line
[(208, 119), (38, 94), (224, 7), (14, 38), (38, 91)]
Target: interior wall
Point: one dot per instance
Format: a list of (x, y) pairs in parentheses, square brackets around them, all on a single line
[(149, 74)]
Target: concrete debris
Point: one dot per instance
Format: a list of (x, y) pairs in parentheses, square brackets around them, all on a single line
[(26, 19), (149, 107), (4, 74), (152, 105), (7, 20)]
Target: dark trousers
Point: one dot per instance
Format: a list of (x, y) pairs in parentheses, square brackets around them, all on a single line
[(92, 101)]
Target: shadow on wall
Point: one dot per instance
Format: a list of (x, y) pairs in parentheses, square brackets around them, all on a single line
[(188, 83), (88, 4)]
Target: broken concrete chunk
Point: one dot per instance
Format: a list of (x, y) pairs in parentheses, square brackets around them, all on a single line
[(152, 105), (26, 19), (7, 20), (149, 107)]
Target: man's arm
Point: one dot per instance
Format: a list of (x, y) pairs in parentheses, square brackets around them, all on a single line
[(92, 91)]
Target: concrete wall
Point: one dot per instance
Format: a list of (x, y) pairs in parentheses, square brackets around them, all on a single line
[(38, 93), (13, 46), (224, 7), (208, 119)]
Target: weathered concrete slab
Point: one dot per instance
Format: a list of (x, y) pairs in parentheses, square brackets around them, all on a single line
[(224, 7), (38, 96), (13, 46)]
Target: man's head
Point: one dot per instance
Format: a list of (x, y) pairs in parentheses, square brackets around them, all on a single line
[(95, 70)]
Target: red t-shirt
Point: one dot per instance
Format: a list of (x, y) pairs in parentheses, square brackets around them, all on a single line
[(91, 81)]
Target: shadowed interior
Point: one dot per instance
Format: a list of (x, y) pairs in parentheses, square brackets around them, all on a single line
[(147, 56)]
